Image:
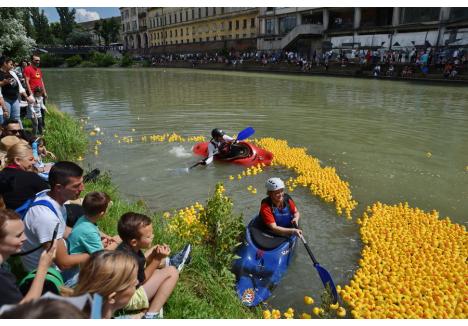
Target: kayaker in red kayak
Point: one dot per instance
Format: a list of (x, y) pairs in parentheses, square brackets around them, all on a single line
[(278, 211), (220, 145)]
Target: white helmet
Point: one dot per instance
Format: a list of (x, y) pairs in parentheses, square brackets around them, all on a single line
[(273, 184)]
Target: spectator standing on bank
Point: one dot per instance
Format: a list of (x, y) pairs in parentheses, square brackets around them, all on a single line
[(33, 77), (11, 89)]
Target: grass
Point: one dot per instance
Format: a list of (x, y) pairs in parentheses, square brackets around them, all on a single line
[(202, 291)]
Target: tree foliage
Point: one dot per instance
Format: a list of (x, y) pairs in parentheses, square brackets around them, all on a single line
[(108, 30), (43, 33), (67, 20), (14, 41), (79, 38)]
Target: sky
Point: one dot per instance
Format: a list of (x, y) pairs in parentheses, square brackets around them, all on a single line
[(83, 14)]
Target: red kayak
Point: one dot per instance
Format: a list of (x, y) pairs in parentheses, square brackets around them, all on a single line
[(243, 153)]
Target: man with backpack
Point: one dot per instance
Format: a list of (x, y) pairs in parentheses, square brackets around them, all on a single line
[(47, 211)]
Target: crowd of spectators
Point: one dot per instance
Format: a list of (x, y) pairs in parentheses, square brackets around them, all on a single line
[(54, 233), (402, 62)]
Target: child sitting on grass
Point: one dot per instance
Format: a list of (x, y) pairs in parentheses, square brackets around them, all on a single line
[(156, 278), (85, 236), (40, 152)]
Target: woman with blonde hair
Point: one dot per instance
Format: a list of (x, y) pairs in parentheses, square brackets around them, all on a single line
[(111, 274), (17, 181)]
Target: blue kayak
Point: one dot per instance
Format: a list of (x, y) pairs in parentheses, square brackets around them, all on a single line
[(264, 259)]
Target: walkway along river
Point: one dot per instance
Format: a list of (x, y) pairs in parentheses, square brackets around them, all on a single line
[(393, 142)]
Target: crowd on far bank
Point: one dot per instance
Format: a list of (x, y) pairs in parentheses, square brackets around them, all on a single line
[(404, 62), (50, 234)]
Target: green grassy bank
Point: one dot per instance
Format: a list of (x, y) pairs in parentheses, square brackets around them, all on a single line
[(206, 286)]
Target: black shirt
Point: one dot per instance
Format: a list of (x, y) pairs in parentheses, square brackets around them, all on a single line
[(10, 291), (139, 256), (18, 186), (9, 91)]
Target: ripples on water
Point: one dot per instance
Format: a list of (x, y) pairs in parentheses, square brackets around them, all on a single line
[(376, 133)]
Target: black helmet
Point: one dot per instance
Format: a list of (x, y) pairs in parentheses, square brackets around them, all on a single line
[(217, 133)]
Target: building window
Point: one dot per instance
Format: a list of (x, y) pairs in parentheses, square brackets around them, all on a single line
[(252, 22), (245, 24), (214, 38), (176, 42), (193, 14), (175, 18), (237, 35), (206, 12), (188, 41), (186, 15), (237, 24), (417, 15), (244, 35), (200, 39), (269, 27), (123, 27), (181, 32), (175, 33), (186, 31), (230, 25), (199, 13), (180, 16), (170, 19), (214, 11), (207, 38), (286, 24), (170, 34), (222, 10), (194, 40)]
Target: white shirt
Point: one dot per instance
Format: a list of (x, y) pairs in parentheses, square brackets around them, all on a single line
[(39, 225), (213, 149)]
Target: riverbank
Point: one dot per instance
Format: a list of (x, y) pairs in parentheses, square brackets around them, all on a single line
[(206, 286), (334, 70)]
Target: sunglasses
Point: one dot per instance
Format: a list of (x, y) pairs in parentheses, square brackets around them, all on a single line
[(16, 131)]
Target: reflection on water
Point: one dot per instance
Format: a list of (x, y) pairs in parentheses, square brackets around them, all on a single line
[(393, 141)]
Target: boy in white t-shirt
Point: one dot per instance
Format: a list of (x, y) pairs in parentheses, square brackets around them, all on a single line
[(34, 111)]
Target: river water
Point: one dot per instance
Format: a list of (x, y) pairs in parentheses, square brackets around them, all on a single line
[(392, 141)]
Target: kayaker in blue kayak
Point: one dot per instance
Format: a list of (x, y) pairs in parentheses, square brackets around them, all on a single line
[(278, 211), (219, 145)]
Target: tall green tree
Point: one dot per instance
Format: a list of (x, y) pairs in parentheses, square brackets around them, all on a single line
[(67, 20), (27, 23), (41, 25), (14, 41), (110, 30), (98, 30)]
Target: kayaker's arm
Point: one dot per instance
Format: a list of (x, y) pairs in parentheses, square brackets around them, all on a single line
[(286, 232), (212, 151)]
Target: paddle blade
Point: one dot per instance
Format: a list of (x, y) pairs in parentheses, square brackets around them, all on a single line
[(246, 133), (327, 281)]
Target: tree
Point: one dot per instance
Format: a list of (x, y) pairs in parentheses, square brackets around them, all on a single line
[(27, 23), (67, 20), (108, 29), (41, 25), (79, 38), (97, 30), (13, 39)]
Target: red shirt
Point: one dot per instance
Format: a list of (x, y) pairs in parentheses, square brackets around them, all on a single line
[(267, 214), (35, 77)]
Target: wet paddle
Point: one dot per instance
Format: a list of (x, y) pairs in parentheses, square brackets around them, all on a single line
[(244, 134), (323, 273)]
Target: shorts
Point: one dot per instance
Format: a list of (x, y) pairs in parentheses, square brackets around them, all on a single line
[(138, 301)]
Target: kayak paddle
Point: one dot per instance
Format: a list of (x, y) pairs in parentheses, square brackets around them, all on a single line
[(323, 273), (244, 134)]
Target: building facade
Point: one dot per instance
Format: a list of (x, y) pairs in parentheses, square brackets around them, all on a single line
[(134, 27), (296, 28), (194, 29)]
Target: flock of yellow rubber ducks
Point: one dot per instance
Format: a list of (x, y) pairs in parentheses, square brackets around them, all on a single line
[(413, 265)]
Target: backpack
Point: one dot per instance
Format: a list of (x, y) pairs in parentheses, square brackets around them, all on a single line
[(53, 281), (24, 208)]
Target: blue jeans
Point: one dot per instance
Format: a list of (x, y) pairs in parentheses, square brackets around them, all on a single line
[(13, 108)]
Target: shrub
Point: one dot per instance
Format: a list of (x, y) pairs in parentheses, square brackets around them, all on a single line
[(102, 59), (73, 60), (51, 60), (87, 64), (126, 60)]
